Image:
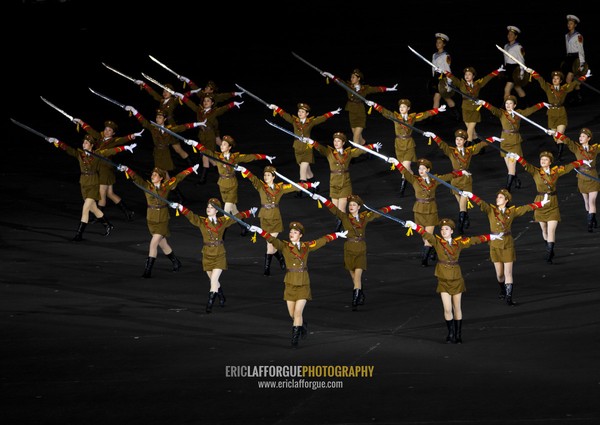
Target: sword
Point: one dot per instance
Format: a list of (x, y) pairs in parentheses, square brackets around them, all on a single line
[(521, 64), (284, 178), (545, 130), (253, 96), (372, 152), (156, 195), (57, 108), (587, 175), (107, 98), (445, 183), (391, 217), (307, 63), (412, 127), (180, 137), (31, 130), (242, 222), (496, 147), (291, 133), (165, 66), (119, 72), (162, 86), (103, 158), (463, 94), (423, 58), (583, 83)]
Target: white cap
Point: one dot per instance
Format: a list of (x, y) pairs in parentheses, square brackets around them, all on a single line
[(513, 29), (442, 36), (573, 18)]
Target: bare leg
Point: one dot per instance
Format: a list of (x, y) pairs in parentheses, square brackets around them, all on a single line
[(296, 309)]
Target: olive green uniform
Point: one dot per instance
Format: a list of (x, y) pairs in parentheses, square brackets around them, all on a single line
[(585, 184), (340, 184), (470, 110)]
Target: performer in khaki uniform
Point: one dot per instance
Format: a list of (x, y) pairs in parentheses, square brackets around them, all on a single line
[(451, 284), (355, 246), (157, 214), (460, 157), (207, 134), (357, 113), (511, 124), (303, 124), (269, 213), (297, 281), (425, 206), (405, 144), (88, 181), (545, 178), (502, 251), (557, 94), (340, 183), (214, 258), (227, 182), (106, 177), (471, 87), (588, 187)]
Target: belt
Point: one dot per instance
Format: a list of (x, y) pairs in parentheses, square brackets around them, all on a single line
[(547, 193), (403, 137), (296, 269), (357, 239), (270, 206), (84, 173), (448, 263), (226, 176), (213, 243), (339, 171), (426, 200), (510, 131), (156, 207)]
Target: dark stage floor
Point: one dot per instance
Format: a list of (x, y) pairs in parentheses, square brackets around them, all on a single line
[(86, 340)]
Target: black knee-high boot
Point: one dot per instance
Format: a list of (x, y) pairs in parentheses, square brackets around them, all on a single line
[(361, 297), (517, 181), (267, 268), (221, 296), (458, 331), (402, 187), (451, 338), (211, 301), (203, 175), (591, 218), (355, 297), (244, 229), (338, 225), (594, 222), (561, 148), (467, 220), (502, 293), (461, 222), (123, 207), (549, 252), (296, 331), (281, 259), (175, 261), (79, 235), (107, 225), (509, 181), (148, 268), (509, 294), (425, 252), (304, 330)]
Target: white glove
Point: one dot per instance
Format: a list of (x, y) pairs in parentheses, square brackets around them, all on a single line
[(174, 205), (308, 140), (123, 168), (51, 139), (545, 200), (410, 224), (341, 234), (190, 142), (370, 103), (393, 160), (139, 82), (551, 132), (395, 207), (318, 197), (529, 70), (253, 211), (429, 134), (328, 75), (480, 102), (395, 88), (179, 95), (138, 134), (546, 104), (195, 168), (513, 155), (581, 66), (466, 173), (237, 104), (442, 108), (315, 184), (200, 124), (240, 168), (438, 70), (497, 139), (588, 162), (466, 194), (337, 111), (501, 68), (272, 106), (130, 147), (377, 146), (255, 229), (496, 237), (238, 93), (270, 159), (184, 79), (588, 74), (195, 91), (77, 121), (131, 109)]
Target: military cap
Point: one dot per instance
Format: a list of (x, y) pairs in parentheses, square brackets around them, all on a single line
[(513, 29), (586, 131), (227, 138), (573, 18), (547, 154), (461, 133), (505, 193), (89, 138), (471, 70), (447, 222), (111, 124), (355, 198), (160, 172), (304, 106), (341, 136), (212, 85), (404, 101), (215, 201), (558, 74), (358, 73), (512, 97), (425, 162), (442, 36), (270, 169), (297, 225)]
